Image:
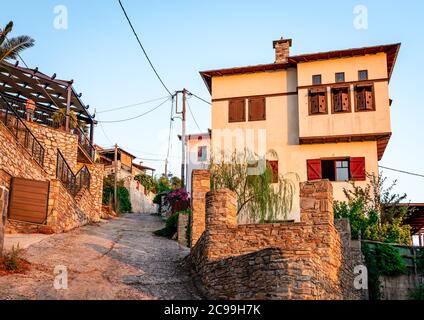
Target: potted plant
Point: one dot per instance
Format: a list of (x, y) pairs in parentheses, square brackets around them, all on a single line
[(59, 118)]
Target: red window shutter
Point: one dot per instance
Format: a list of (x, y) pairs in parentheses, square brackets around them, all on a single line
[(314, 169), (345, 100), (337, 101), (357, 169), (369, 101), (274, 167)]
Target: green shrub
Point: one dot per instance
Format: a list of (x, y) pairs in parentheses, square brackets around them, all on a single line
[(12, 259), (420, 262), (122, 192), (417, 293), (124, 200), (171, 227), (389, 261)]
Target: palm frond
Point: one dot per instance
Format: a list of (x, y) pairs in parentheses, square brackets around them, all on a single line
[(14, 46), (4, 32)]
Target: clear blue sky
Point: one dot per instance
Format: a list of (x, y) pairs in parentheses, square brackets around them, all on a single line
[(182, 37)]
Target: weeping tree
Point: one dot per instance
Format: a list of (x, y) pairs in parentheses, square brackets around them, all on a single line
[(10, 48), (260, 195)]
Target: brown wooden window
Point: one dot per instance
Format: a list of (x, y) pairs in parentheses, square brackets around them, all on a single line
[(363, 75), (318, 101), (340, 77), (364, 95), (340, 98), (257, 109), (316, 79), (273, 165), (236, 110)]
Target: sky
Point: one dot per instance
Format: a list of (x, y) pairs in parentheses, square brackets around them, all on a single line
[(98, 51)]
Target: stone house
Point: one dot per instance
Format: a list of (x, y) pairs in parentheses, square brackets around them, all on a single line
[(326, 115), (141, 199), (49, 179)]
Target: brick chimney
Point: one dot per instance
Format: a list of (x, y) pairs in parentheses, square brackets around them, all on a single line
[(282, 50)]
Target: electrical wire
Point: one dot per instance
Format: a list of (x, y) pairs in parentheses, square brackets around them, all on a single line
[(171, 121), (192, 115), (136, 117), (131, 105), (106, 136), (402, 171), (142, 48), (201, 99)]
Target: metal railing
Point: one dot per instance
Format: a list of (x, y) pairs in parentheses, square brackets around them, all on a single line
[(46, 117), (13, 121), (72, 182)]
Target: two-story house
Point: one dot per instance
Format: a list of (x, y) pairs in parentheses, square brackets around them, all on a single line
[(326, 115)]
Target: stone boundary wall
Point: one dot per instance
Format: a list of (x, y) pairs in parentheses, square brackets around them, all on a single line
[(200, 186), (53, 139), (183, 220), (302, 260)]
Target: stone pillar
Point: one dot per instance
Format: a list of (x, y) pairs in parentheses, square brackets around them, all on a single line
[(316, 202), (200, 185), (182, 229), (4, 199)]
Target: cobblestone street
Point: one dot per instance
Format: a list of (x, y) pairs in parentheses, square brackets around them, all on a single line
[(118, 259)]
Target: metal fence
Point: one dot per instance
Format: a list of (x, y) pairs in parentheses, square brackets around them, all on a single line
[(72, 182), (12, 120)]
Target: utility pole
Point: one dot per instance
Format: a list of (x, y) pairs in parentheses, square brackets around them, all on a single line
[(115, 186), (183, 134)]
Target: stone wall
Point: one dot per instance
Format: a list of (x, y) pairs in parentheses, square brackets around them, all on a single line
[(4, 198), (200, 186), (66, 212), (352, 257), (15, 160), (183, 220), (301, 260), (96, 184), (53, 139)]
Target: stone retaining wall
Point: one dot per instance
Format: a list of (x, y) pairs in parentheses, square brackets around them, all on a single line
[(183, 220), (301, 260), (200, 186)]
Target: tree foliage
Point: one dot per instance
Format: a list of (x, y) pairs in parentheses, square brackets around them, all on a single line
[(10, 48), (374, 212), (124, 203), (257, 196)]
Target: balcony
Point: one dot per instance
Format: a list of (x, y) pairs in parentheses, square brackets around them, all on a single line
[(56, 103)]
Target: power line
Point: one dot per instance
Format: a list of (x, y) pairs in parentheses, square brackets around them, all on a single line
[(402, 171), (131, 105), (136, 117), (192, 115), (106, 136), (201, 99), (142, 48)]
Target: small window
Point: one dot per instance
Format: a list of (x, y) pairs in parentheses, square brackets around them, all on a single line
[(342, 170), (337, 169), (340, 77), (363, 75), (236, 110), (318, 101), (201, 153), (340, 97), (316, 79), (257, 109), (364, 95)]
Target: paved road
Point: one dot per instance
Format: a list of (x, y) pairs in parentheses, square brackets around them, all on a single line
[(119, 259)]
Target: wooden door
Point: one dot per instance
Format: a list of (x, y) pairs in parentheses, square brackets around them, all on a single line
[(28, 200)]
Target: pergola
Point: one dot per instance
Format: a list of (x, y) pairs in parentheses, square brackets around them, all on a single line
[(18, 84), (47, 91), (416, 219)]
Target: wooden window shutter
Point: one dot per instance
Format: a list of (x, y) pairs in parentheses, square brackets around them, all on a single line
[(314, 169), (345, 100), (337, 100), (274, 167), (369, 99), (341, 101), (357, 169), (318, 100), (257, 109), (360, 98), (322, 103), (236, 110)]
